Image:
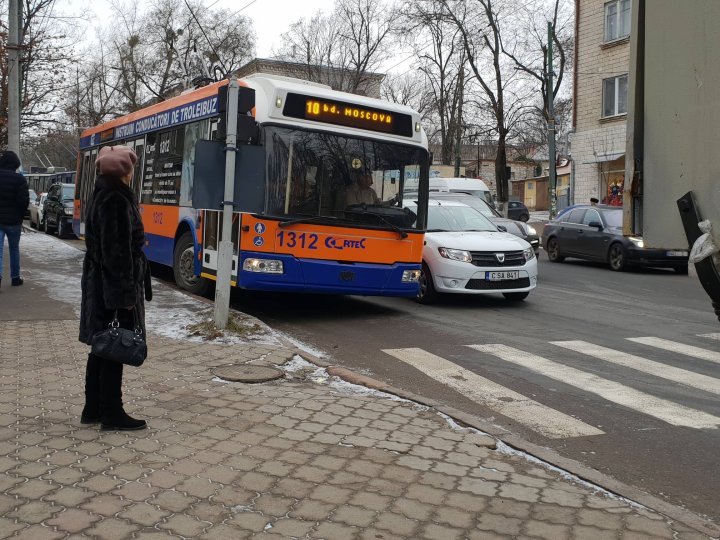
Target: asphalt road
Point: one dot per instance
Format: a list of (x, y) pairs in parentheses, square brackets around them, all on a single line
[(653, 422), (657, 428)]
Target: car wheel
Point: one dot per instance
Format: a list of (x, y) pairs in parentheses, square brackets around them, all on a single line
[(516, 296), (426, 292), (681, 269), (524, 217), (184, 266), (553, 251), (616, 257)]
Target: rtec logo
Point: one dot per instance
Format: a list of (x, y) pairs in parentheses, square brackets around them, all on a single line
[(342, 243)]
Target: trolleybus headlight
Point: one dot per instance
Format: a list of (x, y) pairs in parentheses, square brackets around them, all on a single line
[(411, 276), (263, 266)]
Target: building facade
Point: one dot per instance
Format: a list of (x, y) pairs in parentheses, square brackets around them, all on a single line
[(600, 90)]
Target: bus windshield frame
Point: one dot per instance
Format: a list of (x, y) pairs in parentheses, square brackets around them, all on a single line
[(311, 173)]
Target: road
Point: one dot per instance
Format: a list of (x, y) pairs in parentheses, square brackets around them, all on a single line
[(620, 371), (635, 410)]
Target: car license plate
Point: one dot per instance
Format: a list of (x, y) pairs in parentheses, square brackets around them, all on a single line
[(499, 276), (677, 253)]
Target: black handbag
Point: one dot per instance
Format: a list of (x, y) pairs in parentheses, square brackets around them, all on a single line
[(120, 344)]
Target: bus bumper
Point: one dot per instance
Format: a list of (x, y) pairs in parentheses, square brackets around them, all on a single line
[(329, 277)]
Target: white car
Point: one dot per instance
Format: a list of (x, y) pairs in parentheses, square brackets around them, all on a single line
[(36, 210), (465, 253)]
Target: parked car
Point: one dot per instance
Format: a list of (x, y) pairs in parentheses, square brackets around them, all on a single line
[(518, 228), (33, 196), (36, 210), (465, 253), (517, 210), (58, 209), (595, 233)]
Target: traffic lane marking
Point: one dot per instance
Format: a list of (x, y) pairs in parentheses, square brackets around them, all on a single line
[(672, 413), (673, 346), (540, 418)]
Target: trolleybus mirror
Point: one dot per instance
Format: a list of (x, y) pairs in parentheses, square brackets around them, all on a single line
[(247, 130), (209, 177)]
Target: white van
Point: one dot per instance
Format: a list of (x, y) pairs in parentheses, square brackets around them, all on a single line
[(472, 186)]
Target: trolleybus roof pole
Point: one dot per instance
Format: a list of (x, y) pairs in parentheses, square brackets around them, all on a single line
[(225, 255)]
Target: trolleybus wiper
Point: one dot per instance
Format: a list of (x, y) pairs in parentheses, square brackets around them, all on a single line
[(394, 227), (307, 219)]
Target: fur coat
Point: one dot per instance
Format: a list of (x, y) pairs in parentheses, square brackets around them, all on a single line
[(115, 271)]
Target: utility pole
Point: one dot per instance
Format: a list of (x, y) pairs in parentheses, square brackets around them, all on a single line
[(551, 125), (458, 135), (14, 68), (225, 254)]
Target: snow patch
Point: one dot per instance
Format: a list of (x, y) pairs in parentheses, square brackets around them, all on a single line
[(297, 364)]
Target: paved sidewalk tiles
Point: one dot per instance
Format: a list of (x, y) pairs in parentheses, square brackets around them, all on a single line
[(293, 458)]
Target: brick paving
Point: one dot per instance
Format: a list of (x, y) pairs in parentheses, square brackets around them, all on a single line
[(292, 458)]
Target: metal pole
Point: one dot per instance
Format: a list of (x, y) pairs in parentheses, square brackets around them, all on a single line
[(225, 254), (14, 71), (458, 134), (551, 126)]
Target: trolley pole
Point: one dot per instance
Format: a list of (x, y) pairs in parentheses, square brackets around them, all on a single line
[(551, 125), (225, 254), (14, 66)]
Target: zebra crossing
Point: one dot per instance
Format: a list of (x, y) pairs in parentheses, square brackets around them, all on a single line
[(556, 424)]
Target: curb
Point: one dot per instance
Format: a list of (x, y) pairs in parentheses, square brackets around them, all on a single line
[(551, 457)]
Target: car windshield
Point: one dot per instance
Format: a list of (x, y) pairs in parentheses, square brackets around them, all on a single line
[(456, 219), (325, 176), (68, 193), (613, 218)]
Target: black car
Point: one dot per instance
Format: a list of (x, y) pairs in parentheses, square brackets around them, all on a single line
[(58, 209), (523, 230), (517, 210), (595, 233)]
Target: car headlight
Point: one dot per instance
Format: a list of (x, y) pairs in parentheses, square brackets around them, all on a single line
[(455, 254), (529, 253), (531, 229), (68, 211), (637, 241)]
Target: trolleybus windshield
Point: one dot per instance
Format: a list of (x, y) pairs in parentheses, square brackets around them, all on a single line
[(313, 175)]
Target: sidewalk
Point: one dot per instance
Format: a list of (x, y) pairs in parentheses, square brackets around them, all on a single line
[(304, 456)]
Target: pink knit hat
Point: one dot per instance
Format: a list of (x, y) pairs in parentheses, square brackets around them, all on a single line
[(115, 160)]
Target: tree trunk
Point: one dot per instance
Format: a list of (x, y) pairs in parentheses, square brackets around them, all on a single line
[(501, 179)]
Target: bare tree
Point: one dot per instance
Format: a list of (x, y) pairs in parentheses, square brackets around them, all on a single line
[(342, 49), (409, 89)]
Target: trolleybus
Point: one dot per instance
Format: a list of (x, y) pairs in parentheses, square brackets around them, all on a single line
[(305, 232)]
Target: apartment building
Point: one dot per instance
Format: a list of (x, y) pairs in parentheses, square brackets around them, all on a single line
[(602, 62)]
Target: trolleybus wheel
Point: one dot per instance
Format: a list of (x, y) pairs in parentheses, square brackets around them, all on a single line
[(426, 293), (184, 266)]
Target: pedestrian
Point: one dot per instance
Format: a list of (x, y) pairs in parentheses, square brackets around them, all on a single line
[(115, 279), (14, 202)]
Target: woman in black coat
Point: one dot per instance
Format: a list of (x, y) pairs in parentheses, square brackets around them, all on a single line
[(115, 279)]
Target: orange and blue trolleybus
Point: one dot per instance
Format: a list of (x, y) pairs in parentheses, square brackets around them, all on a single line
[(319, 207)]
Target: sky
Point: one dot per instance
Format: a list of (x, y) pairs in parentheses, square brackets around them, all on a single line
[(271, 18)]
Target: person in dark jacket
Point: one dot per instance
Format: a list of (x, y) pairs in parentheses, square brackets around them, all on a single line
[(115, 278), (14, 201)]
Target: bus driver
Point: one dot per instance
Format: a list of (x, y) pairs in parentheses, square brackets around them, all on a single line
[(361, 191)]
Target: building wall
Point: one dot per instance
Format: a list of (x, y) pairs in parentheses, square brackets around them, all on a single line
[(595, 136)]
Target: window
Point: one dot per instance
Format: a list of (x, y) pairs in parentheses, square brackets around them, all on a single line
[(576, 216), (617, 19), (591, 216), (615, 96)]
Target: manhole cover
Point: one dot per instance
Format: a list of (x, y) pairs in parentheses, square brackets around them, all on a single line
[(248, 374)]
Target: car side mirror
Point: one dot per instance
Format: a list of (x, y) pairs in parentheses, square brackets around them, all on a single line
[(596, 224), (502, 228)]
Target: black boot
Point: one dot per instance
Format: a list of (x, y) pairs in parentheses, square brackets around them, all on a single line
[(91, 411), (16, 281), (112, 414)]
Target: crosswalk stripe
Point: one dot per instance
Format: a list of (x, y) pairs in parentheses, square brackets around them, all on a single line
[(638, 363), (714, 335), (673, 346), (672, 413), (545, 420)]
